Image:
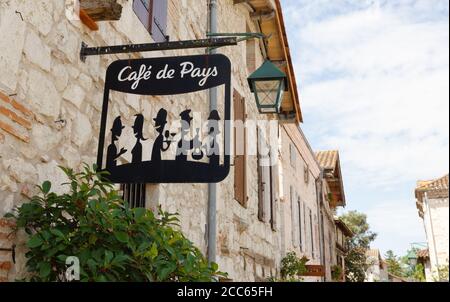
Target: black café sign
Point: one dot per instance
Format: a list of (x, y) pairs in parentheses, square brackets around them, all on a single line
[(195, 161)]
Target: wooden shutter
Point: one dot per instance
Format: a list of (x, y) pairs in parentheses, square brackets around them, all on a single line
[(261, 186), (159, 21), (311, 232), (274, 193), (153, 15), (143, 10), (294, 224), (240, 161), (300, 228), (293, 155)]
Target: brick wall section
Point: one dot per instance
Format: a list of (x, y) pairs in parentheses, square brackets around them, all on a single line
[(7, 237), (15, 118)]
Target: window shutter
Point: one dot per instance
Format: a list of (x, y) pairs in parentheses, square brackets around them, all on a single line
[(300, 229), (153, 15), (293, 218), (311, 233), (293, 155), (240, 161), (159, 21), (274, 195), (261, 213), (143, 9)]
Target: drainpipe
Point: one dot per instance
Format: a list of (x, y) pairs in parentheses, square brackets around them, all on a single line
[(212, 188), (319, 199)]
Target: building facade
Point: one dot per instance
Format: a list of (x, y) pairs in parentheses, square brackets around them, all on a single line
[(331, 188), (432, 204), (378, 270), (50, 106)]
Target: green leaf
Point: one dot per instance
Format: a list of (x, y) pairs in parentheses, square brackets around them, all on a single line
[(46, 187), (139, 213), (121, 236), (108, 257), (214, 266), (153, 251), (92, 239), (35, 241), (57, 233), (44, 269)]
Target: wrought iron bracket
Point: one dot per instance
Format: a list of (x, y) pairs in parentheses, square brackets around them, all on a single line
[(131, 48), (239, 36), (12, 250)]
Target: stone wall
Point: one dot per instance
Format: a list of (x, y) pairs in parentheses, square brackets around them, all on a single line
[(50, 103), (299, 178)]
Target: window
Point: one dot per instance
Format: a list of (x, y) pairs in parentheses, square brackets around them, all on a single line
[(330, 243), (273, 196), (153, 15), (293, 155), (240, 160), (312, 233), (134, 195), (267, 181), (300, 229), (306, 174), (294, 217)]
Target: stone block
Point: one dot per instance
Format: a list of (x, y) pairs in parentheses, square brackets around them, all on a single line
[(20, 170), (44, 138), (74, 94), (36, 51), (61, 76), (81, 130), (12, 30), (42, 94)]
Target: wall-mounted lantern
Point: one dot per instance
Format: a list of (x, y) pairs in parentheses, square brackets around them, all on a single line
[(268, 83), (412, 258)]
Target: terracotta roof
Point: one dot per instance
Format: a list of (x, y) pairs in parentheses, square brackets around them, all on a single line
[(430, 185), (328, 159), (423, 254), (437, 188), (330, 163)]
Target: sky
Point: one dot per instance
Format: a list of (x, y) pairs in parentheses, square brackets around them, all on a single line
[(373, 79)]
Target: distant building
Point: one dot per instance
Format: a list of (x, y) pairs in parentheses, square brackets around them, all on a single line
[(423, 257), (332, 196), (377, 271), (433, 206), (343, 233)]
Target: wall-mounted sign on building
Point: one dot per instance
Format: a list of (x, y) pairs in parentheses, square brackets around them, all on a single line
[(197, 160)]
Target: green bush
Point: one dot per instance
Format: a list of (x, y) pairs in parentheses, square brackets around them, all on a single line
[(293, 268), (111, 241), (336, 273)]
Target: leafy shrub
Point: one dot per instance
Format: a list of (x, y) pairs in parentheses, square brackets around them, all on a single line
[(292, 267), (336, 272), (111, 241)]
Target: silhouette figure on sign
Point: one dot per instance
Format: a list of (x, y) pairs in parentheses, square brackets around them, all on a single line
[(185, 145), (158, 146), (138, 129), (197, 154), (112, 155), (212, 147)]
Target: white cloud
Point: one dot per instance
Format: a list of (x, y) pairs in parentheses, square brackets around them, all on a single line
[(374, 83), (376, 87)]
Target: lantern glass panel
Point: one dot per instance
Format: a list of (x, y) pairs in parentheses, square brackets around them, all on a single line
[(268, 92)]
